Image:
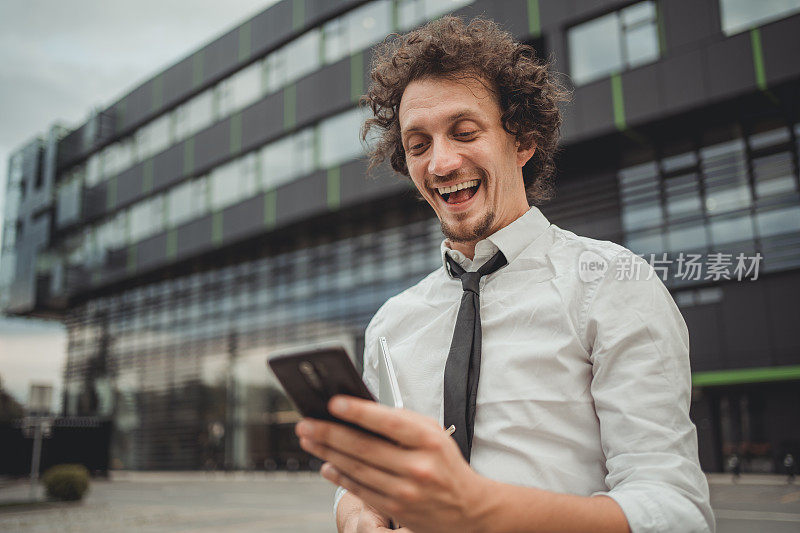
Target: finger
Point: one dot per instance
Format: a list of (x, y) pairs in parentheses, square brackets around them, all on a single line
[(405, 427), (367, 448), (381, 502), (375, 478)]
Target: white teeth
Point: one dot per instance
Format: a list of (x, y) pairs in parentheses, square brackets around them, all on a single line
[(458, 186)]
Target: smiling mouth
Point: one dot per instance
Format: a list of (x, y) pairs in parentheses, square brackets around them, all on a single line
[(460, 192)]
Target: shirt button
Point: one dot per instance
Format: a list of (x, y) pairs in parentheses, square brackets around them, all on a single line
[(458, 256)]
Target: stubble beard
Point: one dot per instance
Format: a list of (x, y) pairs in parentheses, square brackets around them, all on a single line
[(479, 230)]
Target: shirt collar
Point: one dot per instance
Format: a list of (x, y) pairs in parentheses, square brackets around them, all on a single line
[(511, 240)]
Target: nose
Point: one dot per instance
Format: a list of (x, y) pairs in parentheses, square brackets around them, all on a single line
[(444, 158)]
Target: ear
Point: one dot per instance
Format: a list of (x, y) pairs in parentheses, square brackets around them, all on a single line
[(524, 154)]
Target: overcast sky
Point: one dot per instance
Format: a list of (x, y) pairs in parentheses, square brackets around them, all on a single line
[(58, 60)]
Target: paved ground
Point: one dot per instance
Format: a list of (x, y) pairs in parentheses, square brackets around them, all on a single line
[(300, 503)]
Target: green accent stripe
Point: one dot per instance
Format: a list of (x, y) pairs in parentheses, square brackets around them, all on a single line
[(111, 193), (298, 14), (534, 18), (158, 92), (197, 69), (356, 76), (188, 156), (618, 102), (172, 244), (147, 176), (745, 375), (270, 208), (132, 253), (662, 34), (289, 106), (216, 228), (236, 133), (758, 59), (334, 188), (244, 41)]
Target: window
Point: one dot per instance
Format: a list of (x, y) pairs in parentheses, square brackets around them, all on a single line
[(146, 218), (194, 115), (68, 206), (741, 15), (412, 13), (292, 61), (339, 138), (287, 158), (240, 90), (357, 29), (94, 173), (233, 182), (778, 221), (725, 174), (118, 156), (614, 42), (154, 136), (179, 207)]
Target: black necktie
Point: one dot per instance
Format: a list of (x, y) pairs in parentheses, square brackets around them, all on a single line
[(463, 366)]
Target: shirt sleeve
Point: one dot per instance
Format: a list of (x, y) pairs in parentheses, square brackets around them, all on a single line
[(642, 390), (370, 377)]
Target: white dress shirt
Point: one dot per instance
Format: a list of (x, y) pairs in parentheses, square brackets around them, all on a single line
[(584, 385)]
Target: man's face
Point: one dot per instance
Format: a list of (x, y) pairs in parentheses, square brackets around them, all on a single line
[(462, 161)]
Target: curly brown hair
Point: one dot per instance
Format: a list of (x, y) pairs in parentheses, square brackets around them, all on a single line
[(527, 90)]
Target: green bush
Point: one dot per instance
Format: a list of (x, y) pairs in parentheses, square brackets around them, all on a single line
[(66, 482)]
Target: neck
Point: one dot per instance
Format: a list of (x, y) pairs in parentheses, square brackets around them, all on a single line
[(466, 248)]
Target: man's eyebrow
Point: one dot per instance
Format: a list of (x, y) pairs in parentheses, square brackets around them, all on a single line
[(458, 115)]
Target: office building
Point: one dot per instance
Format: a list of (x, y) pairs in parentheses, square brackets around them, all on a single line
[(221, 209)]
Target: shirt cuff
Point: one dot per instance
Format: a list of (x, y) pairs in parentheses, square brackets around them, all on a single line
[(337, 498), (643, 514)]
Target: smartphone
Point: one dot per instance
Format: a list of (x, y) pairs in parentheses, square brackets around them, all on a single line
[(312, 376)]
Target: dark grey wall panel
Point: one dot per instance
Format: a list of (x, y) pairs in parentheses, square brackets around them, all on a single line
[(729, 66), (130, 185), (194, 237), (686, 22), (138, 105), (243, 220), (177, 81), (270, 27), (221, 55), (323, 91), (783, 295), (705, 350), (212, 145), (94, 201), (262, 121), (151, 252), (302, 198), (593, 109), (780, 43), (744, 323), (319, 10), (682, 80), (358, 187), (168, 166), (554, 14), (512, 15), (641, 93)]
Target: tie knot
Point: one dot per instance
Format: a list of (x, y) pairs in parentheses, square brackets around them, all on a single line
[(470, 281)]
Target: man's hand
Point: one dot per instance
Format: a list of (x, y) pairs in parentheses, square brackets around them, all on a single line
[(420, 478)]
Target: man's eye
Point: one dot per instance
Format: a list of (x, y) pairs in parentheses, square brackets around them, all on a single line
[(464, 134), (417, 147)]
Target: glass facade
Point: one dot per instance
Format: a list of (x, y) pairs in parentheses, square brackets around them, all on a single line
[(614, 42), (740, 195), (180, 362)]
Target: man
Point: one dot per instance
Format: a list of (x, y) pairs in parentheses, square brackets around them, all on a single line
[(571, 392)]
